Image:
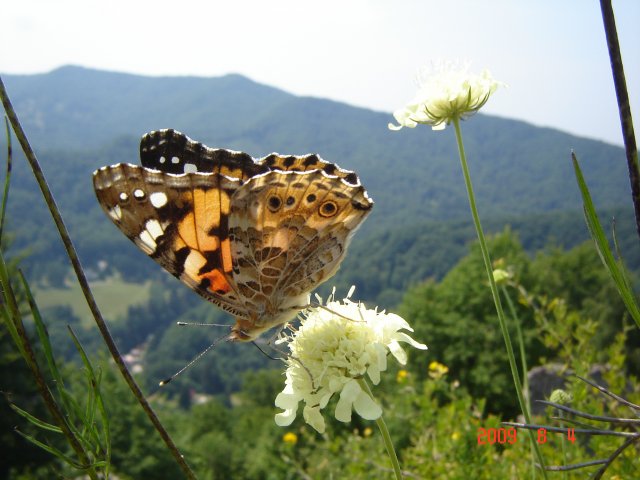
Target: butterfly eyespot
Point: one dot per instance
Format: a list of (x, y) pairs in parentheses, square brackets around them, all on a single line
[(138, 193), (123, 196), (274, 203), (290, 201), (328, 209), (311, 198)]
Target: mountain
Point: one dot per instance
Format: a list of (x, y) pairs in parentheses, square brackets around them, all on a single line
[(79, 119)]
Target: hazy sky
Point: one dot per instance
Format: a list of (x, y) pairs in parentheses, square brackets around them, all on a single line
[(551, 53)]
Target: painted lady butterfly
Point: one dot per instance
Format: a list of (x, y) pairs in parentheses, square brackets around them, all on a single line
[(251, 236)]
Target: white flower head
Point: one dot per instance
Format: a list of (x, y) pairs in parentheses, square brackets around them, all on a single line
[(336, 345), (449, 92)]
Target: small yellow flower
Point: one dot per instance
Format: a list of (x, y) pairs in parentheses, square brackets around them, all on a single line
[(455, 436), (290, 438), (401, 376), (437, 370), (367, 432), (450, 93)]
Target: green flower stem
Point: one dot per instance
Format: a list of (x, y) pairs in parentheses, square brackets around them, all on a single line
[(385, 433), (494, 288), (523, 361), (523, 358)]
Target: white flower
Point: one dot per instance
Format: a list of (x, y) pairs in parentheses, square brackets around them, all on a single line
[(335, 346), (452, 92)]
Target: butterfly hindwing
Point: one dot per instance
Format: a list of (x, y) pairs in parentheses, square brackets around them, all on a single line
[(292, 229)]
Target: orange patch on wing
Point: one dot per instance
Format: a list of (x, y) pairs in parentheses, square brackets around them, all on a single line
[(218, 281), (187, 231), (225, 253), (208, 208)]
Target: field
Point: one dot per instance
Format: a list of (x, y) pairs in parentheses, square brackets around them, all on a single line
[(114, 296)]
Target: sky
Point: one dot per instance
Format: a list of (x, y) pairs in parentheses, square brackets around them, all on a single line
[(551, 53)]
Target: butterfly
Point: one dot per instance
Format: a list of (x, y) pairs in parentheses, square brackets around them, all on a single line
[(254, 237)]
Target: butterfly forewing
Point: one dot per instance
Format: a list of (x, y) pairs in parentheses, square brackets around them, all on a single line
[(178, 220)]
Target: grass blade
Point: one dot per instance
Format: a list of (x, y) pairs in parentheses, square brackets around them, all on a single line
[(43, 334), (7, 179), (35, 420), (52, 450), (602, 245)]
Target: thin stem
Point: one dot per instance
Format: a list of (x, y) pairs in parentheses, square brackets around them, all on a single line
[(494, 288), (84, 284), (385, 434), (523, 360), (624, 107), (523, 357)]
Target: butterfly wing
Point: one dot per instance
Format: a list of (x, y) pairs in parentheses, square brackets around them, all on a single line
[(289, 233), (173, 152), (181, 221)]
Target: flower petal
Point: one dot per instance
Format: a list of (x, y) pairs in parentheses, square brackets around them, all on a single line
[(287, 400), (286, 418), (366, 407), (313, 417), (348, 395)]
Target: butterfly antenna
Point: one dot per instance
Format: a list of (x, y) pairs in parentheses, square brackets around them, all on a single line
[(319, 305), (198, 357), (265, 353), (194, 324)]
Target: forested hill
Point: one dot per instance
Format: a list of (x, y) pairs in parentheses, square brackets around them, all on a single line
[(79, 119)]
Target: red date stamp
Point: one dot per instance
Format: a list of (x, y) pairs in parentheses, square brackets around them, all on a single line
[(502, 436), (491, 436)]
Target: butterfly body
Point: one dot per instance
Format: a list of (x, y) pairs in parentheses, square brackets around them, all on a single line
[(252, 236)]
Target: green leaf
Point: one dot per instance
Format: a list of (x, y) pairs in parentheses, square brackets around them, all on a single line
[(9, 307), (43, 335), (614, 268), (52, 450), (7, 179), (36, 421)]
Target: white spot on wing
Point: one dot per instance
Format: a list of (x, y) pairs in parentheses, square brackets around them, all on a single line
[(124, 197), (116, 212), (146, 242), (175, 160), (193, 263), (138, 193), (190, 168), (153, 227), (162, 159), (158, 199)]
